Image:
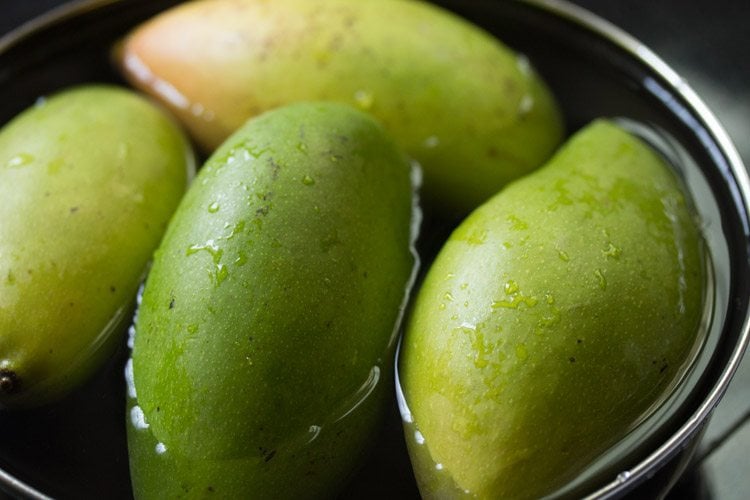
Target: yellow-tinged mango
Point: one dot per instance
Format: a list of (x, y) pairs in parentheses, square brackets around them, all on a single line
[(555, 318), (88, 180), (468, 108)]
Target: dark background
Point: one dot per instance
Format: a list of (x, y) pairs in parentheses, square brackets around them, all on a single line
[(705, 41)]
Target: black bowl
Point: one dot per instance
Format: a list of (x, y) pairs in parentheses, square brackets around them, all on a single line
[(76, 448)]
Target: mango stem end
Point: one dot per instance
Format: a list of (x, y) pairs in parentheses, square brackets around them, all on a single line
[(8, 382)]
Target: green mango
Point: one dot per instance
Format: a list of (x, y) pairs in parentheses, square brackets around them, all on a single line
[(468, 108), (263, 344), (556, 318), (88, 181)]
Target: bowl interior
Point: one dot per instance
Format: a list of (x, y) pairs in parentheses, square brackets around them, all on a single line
[(77, 447)]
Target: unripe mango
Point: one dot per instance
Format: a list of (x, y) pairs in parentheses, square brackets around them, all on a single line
[(88, 180), (553, 321), (468, 108), (263, 344)]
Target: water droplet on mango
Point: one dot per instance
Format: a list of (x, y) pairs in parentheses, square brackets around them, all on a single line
[(20, 160)]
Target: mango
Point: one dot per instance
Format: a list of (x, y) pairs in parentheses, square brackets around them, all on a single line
[(264, 341), (468, 108), (555, 319), (88, 180)]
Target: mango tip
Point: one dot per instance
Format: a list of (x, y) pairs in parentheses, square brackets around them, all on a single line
[(9, 382)]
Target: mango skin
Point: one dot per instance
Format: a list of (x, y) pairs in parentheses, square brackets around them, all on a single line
[(470, 110), (88, 180), (264, 340), (555, 318)]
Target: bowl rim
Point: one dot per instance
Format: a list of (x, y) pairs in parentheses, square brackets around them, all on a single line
[(62, 12), (622, 40)]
